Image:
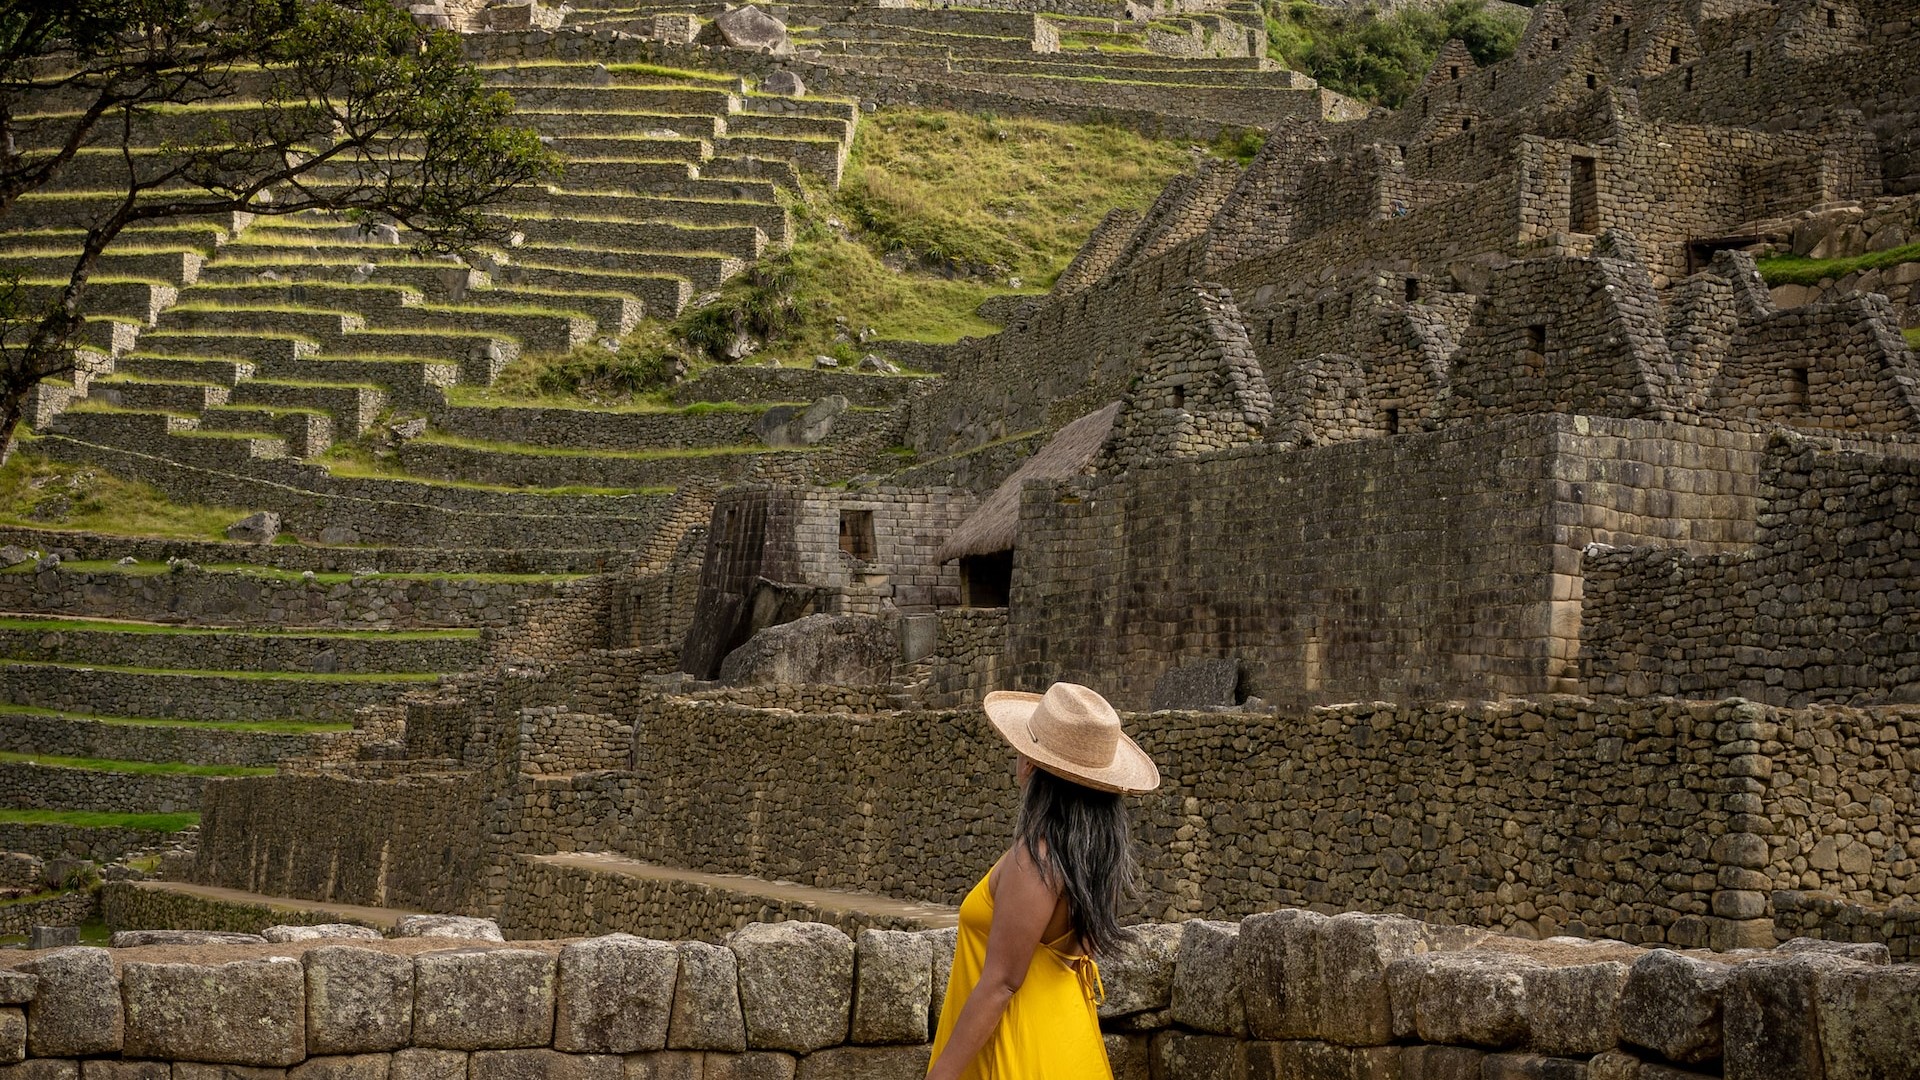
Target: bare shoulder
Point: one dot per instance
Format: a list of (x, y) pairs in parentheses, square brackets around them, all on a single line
[(1019, 869)]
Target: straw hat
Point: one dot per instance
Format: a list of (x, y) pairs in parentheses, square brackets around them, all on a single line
[(1072, 732)]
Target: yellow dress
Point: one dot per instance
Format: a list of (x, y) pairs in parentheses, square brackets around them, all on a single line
[(1051, 1029)]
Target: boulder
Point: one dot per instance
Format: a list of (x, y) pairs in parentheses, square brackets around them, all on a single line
[(842, 650), (1574, 1009), (1138, 972), (321, 932), (259, 527), (52, 937), (876, 364), (13, 1036), (1475, 999), (133, 939), (747, 28), (942, 941), (76, 1008), (796, 984), (1770, 1016), (616, 995), (248, 1012), (1206, 987), (11, 556), (448, 926), (492, 999), (1182, 1053), (1355, 950), (1869, 1020), (784, 427), (893, 987), (784, 83), (706, 1000), (1867, 952), (358, 1000)]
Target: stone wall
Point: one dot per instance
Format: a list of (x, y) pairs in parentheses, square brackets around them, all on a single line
[(17, 917), (94, 843), (33, 786), (128, 905), (65, 736), (1279, 994), (966, 662), (98, 547)]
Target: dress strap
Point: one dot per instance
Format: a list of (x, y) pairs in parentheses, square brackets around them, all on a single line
[(1087, 971)]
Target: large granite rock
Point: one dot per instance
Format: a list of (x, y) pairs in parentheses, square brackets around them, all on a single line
[(747, 28), (1771, 1019), (1869, 1021), (485, 999), (893, 987), (783, 83), (839, 650), (259, 527), (1278, 952), (706, 1000), (1473, 999), (13, 1036), (1206, 989), (343, 1067), (866, 1063), (426, 1063), (448, 926), (76, 1009), (321, 932), (1355, 951), (942, 941), (248, 1012), (788, 426), (1670, 1005), (796, 984), (616, 995), (358, 1000), (133, 939), (543, 1064), (1574, 1009), (1138, 973)]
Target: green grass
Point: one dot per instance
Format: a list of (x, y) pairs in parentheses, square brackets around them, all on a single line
[(1800, 270), (241, 676), (278, 574), (1913, 338), (115, 627), (135, 768), (39, 493), (663, 454), (252, 727), (90, 819)]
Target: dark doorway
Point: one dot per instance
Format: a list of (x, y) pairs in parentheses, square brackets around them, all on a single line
[(1583, 209), (986, 581)]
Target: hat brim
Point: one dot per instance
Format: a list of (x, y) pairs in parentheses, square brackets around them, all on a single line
[(1131, 773)]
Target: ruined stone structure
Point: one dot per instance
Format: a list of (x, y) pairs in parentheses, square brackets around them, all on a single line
[(1445, 495)]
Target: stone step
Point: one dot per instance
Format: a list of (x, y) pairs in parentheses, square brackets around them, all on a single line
[(824, 158), (118, 427), (313, 324), (307, 433), (406, 380), (80, 210), (434, 280), (689, 150), (140, 301), (235, 648), (226, 451), (615, 174), (28, 785), (123, 392), (241, 346), (202, 237), (477, 356), (180, 905), (537, 331), (337, 296), (199, 694), (779, 173), (614, 313), (660, 295), (768, 385), (184, 369), (123, 739), (769, 217), (739, 241), (515, 465), (298, 557), (177, 268), (813, 127), (599, 429), (353, 406), (676, 100), (703, 270), (608, 893), (627, 129)]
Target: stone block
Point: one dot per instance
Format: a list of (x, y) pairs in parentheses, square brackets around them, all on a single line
[(321, 932), (13, 1036), (343, 1067), (1197, 684), (51, 937), (1354, 953), (1476, 999), (1129, 1056), (1441, 1063), (133, 939), (42, 1069), (616, 995), (666, 1065), (248, 1012), (195, 1070), (542, 1064), (77, 1010), (942, 942), (492, 999), (867, 1063), (1770, 1017), (1869, 1022), (1138, 973), (1531, 1067), (1670, 1005), (1279, 951), (1206, 987), (1867, 952), (892, 989), (358, 1000), (423, 1063), (706, 1000), (796, 984), (1574, 1009), (1309, 1059), (17, 987), (109, 1069), (759, 1065), (1182, 1055), (448, 926)]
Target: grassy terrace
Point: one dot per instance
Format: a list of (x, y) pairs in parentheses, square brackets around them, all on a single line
[(276, 574), (137, 768), (337, 677), (89, 819), (249, 727), (116, 627), (39, 493), (1799, 270), (666, 454)]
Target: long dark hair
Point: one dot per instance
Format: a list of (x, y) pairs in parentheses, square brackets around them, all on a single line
[(1079, 839)]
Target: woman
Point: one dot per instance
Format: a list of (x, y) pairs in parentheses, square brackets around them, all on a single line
[(1023, 997)]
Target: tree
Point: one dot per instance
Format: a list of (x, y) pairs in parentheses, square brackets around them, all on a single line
[(349, 106)]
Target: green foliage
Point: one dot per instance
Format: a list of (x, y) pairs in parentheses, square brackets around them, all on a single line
[(89, 819), (642, 367), (44, 494), (1238, 144), (131, 768), (759, 304), (1800, 270), (1913, 338), (1378, 58)]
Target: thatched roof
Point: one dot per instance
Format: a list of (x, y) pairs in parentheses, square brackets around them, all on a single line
[(994, 526)]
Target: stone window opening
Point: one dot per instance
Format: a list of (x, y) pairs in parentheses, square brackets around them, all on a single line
[(1797, 387), (1689, 82), (1616, 20), (1392, 416), (1423, 106), (1494, 82), (1466, 123), (1554, 45), (1413, 289), (1454, 71), (1583, 196), (1592, 81), (1833, 19), (1749, 60), (1429, 154), (986, 581), (1673, 54), (1270, 323), (1533, 358), (1626, 38), (856, 534), (1179, 396)]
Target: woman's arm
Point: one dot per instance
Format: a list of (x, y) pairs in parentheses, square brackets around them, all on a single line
[(1023, 904)]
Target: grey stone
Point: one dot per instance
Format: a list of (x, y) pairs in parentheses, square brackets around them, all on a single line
[(133, 939), (42, 1069), (706, 1000), (13, 1036), (616, 995), (784, 83), (1670, 1005), (1130, 1056), (1870, 1021), (17, 987), (1770, 1017), (1278, 952), (866, 1063), (893, 987), (411, 428), (796, 983), (785, 427), (259, 527), (755, 1065), (747, 28), (1574, 1009), (838, 650), (493, 999), (878, 365), (248, 1012), (358, 1000), (1198, 684), (1354, 952), (52, 937), (321, 932), (448, 926), (1309, 1060), (1476, 999), (942, 942), (422, 1063), (1138, 972), (195, 1070), (542, 1064), (1183, 1053), (1206, 988), (343, 1067), (77, 1009), (1531, 1067), (11, 556), (109, 1069), (666, 1065), (919, 637), (1867, 952)]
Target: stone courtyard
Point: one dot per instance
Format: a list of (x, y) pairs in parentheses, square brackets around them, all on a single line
[(1511, 566)]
